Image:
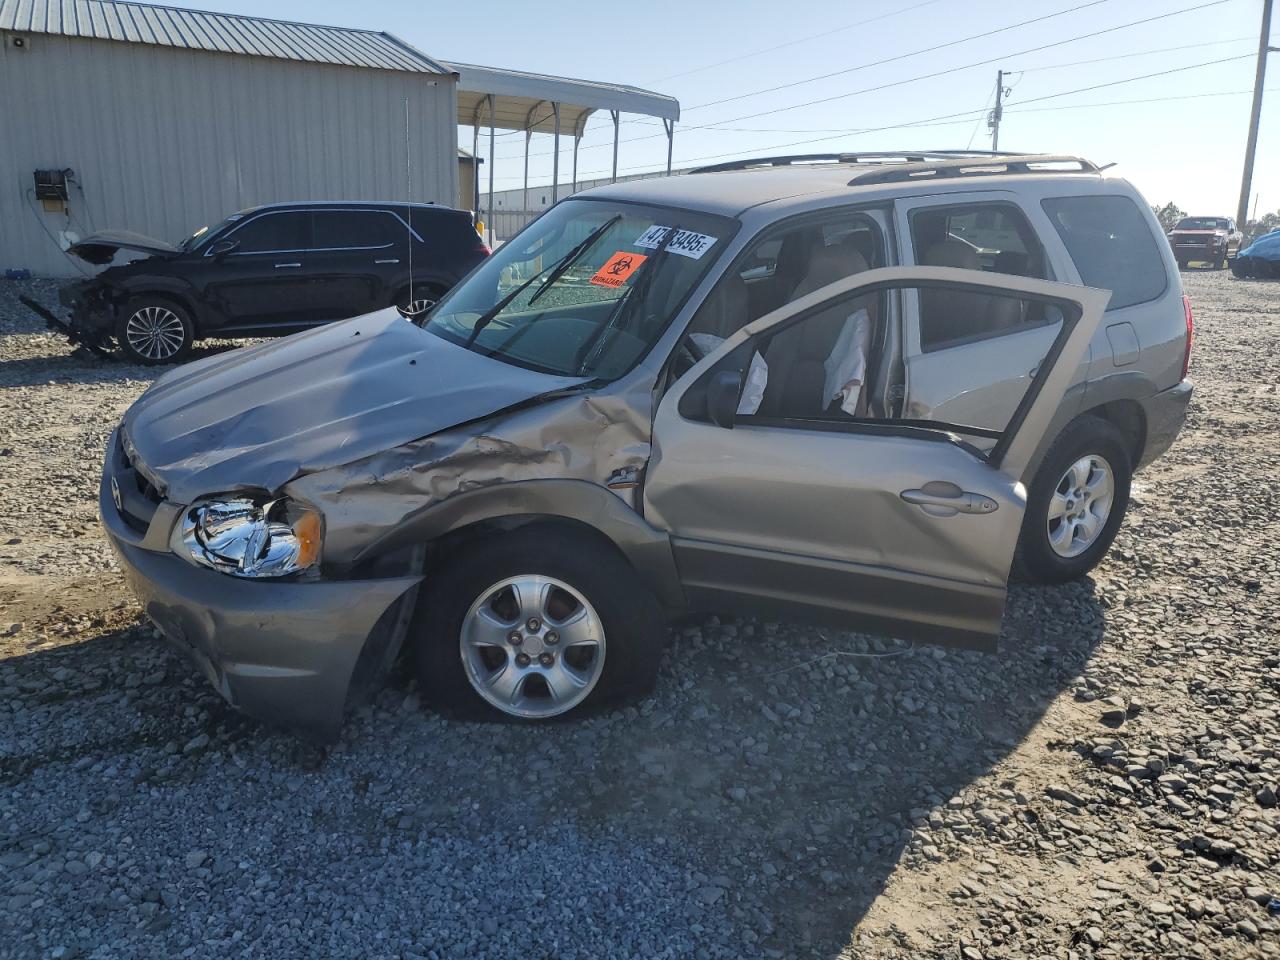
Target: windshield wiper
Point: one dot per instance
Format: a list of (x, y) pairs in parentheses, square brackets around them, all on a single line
[(557, 270), (572, 256), (636, 294)]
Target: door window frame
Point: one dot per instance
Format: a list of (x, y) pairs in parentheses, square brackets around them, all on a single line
[(741, 346)]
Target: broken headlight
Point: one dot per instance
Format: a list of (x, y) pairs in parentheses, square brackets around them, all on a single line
[(248, 537)]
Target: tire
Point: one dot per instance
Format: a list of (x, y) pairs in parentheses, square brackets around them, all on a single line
[(575, 566), (1240, 268), (1220, 263), (1086, 440), (152, 330), (1182, 264), (425, 295)]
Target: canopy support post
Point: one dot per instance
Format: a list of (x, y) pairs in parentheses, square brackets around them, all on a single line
[(492, 123), (615, 114), (555, 162), (671, 136), (475, 168)]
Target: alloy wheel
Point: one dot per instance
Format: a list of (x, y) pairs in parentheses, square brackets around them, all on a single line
[(532, 646), (155, 332), (1080, 506)]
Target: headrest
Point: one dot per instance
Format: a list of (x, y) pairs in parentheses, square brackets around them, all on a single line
[(829, 264), (953, 253)]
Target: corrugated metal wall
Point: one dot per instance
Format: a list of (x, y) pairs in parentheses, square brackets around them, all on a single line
[(165, 140)]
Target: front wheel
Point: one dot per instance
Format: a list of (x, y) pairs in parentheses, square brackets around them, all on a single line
[(1076, 502), (152, 330), (535, 624)]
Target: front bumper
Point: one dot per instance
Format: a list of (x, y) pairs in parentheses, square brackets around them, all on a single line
[(282, 651), (1165, 414)]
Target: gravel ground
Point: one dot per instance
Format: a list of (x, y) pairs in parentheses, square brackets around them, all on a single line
[(1105, 787)]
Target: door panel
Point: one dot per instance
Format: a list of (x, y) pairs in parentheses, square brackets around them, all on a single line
[(890, 525)]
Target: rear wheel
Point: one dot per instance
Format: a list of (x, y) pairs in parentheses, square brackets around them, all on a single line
[(1076, 502), (152, 330), (415, 306), (535, 624)]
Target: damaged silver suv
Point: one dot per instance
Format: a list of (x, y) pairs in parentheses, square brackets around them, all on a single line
[(850, 389)]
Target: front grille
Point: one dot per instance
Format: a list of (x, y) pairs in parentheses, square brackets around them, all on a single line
[(136, 508)]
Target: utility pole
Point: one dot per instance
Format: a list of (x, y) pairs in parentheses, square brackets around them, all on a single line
[(993, 121), (1246, 182)]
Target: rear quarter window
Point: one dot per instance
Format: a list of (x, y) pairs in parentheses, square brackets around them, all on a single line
[(1112, 246)]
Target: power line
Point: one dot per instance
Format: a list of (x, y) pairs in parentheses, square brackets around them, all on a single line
[(792, 43), (951, 118), (902, 56), (1129, 56), (927, 76)]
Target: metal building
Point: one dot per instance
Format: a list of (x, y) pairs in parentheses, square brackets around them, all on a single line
[(127, 116), (170, 119)]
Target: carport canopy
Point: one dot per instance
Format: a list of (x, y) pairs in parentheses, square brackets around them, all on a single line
[(538, 103)]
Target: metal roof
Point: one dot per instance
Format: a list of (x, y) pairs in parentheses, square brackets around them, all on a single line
[(215, 33), (522, 100)]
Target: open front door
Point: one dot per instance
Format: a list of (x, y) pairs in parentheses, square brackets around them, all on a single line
[(804, 499)]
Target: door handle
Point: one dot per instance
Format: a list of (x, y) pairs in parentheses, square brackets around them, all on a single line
[(386, 261), (939, 498), (281, 266)]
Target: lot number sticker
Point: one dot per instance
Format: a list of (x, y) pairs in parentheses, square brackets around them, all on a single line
[(686, 242), (617, 268)]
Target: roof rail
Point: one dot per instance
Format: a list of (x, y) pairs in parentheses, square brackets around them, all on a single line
[(880, 156), (995, 165)]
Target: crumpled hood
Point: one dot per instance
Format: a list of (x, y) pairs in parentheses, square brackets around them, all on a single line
[(99, 248), (261, 416)]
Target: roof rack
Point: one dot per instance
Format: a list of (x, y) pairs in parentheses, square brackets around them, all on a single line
[(993, 166), (881, 156)]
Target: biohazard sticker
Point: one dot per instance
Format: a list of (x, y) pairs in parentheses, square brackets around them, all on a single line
[(617, 268), (686, 243)]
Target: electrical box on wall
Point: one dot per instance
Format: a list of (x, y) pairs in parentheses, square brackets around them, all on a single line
[(51, 189), (16, 42)]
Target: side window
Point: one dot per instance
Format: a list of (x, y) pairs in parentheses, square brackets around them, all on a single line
[(1112, 246), (994, 237), (813, 373), (785, 263), (274, 233), (363, 229)]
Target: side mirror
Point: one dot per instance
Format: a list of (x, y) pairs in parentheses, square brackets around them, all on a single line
[(223, 247), (723, 394)]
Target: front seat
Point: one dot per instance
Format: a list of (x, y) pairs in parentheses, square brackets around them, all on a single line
[(797, 355), (726, 311), (951, 315)]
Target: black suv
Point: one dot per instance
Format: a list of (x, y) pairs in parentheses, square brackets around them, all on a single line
[(269, 271)]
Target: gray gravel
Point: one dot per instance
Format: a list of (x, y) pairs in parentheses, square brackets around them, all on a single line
[(1104, 787)]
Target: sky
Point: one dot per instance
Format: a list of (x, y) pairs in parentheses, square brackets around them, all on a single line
[(744, 73)]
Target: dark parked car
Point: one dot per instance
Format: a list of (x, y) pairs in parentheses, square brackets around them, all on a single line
[(269, 271), (1212, 240)]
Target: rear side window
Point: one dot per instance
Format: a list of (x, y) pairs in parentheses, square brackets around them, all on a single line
[(347, 229), (1112, 246)]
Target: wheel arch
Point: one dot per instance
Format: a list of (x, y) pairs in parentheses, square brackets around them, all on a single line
[(577, 505), (174, 293), (1127, 416)]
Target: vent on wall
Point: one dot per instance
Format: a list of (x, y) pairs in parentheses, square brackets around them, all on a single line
[(16, 42)]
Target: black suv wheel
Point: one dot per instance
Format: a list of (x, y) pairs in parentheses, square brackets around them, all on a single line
[(152, 329)]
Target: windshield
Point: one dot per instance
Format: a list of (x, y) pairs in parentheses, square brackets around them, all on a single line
[(584, 291), (1201, 223)]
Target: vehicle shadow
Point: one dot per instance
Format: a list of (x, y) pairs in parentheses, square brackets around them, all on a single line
[(776, 770)]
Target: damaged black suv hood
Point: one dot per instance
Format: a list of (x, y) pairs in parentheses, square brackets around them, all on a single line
[(261, 416), (99, 248)]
